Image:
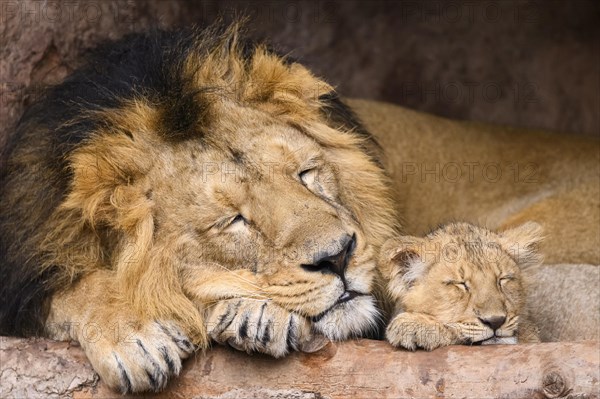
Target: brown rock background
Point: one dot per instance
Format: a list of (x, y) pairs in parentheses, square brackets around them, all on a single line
[(527, 63)]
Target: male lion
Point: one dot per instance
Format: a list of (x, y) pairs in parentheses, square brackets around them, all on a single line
[(461, 284), (183, 186), (187, 186)]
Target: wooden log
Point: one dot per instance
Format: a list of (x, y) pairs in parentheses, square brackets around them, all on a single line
[(353, 369)]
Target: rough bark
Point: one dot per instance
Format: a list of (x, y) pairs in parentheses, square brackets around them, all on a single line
[(354, 369)]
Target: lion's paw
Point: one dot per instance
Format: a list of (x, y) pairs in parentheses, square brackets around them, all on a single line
[(412, 332), (260, 326), (139, 359)]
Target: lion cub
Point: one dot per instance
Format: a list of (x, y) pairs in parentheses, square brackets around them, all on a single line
[(461, 284)]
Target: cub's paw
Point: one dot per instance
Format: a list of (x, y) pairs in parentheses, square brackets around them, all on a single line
[(470, 333), (260, 326), (137, 358), (411, 331)]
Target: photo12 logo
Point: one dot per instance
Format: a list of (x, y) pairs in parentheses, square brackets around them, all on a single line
[(470, 12), (29, 13), (454, 172), (469, 93)]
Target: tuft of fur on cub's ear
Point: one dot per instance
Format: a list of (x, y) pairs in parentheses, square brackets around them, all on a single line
[(522, 243), (403, 263)]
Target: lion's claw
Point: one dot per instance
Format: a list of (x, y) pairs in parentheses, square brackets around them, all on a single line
[(257, 326), (143, 360)]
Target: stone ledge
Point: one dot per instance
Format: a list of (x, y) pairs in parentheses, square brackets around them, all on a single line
[(33, 368)]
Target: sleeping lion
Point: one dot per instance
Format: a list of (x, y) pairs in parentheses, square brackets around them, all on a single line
[(191, 186), (461, 284)]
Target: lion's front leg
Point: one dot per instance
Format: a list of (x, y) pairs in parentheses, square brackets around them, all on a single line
[(238, 313), (129, 351), (259, 325)]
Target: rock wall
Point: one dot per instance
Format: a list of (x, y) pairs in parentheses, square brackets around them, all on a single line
[(532, 63)]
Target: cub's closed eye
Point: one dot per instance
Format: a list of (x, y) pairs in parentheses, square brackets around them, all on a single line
[(229, 223), (236, 224), (238, 219), (505, 279), (460, 284), (463, 285)]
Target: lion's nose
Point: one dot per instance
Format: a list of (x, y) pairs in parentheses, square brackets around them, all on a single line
[(493, 322), (334, 262)]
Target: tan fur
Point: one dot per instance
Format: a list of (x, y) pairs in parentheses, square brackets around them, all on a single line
[(449, 285), (579, 204), (565, 301), (145, 237), (560, 173), (557, 184), (167, 207)]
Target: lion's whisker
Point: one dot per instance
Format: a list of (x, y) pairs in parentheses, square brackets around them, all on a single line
[(232, 272)]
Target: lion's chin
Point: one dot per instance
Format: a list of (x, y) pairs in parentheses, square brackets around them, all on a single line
[(354, 318)]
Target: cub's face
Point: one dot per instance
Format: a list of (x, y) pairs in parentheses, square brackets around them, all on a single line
[(480, 287), (464, 274), (268, 198)]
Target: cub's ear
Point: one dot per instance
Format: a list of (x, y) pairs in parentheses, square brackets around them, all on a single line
[(402, 256), (522, 243)]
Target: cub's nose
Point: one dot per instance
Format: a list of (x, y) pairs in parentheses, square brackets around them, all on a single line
[(334, 262), (493, 322)]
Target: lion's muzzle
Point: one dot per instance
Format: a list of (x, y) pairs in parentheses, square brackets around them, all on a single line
[(335, 261)]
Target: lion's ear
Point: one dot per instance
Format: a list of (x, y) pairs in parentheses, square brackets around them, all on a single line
[(403, 256), (522, 243)]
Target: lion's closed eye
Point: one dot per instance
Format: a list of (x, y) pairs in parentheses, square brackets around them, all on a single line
[(231, 223), (320, 180), (308, 176)]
